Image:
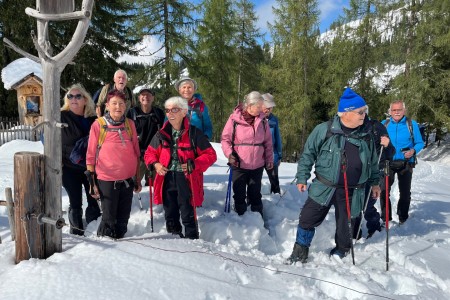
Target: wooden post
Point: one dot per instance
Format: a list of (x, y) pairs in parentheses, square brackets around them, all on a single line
[(29, 202), (10, 206), (52, 66)]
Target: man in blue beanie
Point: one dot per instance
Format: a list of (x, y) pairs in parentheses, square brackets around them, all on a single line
[(339, 150)]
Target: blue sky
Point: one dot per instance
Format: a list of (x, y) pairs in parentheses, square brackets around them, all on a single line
[(330, 10)]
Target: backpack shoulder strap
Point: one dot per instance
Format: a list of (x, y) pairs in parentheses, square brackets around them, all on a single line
[(233, 135), (410, 128), (329, 133), (128, 128), (102, 134)]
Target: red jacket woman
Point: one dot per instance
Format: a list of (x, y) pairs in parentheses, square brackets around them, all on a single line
[(179, 153)]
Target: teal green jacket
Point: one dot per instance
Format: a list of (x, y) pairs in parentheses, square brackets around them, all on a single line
[(326, 155)]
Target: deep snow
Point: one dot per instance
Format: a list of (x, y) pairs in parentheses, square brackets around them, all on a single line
[(237, 257)]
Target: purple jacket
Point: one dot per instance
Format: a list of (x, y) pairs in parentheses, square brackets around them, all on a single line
[(253, 144)]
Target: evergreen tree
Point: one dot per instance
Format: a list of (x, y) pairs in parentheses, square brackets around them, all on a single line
[(249, 53), (171, 22), (215, 61), (296, 65)]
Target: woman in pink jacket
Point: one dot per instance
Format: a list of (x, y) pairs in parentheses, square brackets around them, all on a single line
[(247, 142), (113, 166)]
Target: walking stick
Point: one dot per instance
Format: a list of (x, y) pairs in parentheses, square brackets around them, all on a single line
[(228, 196), (150, 181), (386, 181), (284, 193), (140, 201), (347, 203), (368, 196)]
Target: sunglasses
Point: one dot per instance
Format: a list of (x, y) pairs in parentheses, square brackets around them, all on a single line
[(172, 110), (361, 112), (77, 96)]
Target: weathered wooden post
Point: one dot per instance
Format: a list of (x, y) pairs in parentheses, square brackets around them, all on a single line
[(52, 66), (10, 206), (28, 195)]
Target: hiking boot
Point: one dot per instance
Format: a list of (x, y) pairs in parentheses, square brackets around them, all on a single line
[(339, 253), (299, 253)]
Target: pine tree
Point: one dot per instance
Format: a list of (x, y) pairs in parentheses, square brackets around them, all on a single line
[(215, 61)]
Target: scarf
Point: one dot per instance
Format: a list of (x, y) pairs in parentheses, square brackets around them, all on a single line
[(112, 122)]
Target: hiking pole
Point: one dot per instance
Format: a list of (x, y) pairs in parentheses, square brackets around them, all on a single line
[(140, 201), (347, 203), (284, 193), (228, 196), (367, 197), (150, 181), (386, 188)]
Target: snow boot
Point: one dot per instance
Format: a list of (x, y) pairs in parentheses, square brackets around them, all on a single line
[(76, 221), (341, 254), (299, 254)]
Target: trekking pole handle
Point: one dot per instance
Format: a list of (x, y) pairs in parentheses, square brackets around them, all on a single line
[(386, 167)]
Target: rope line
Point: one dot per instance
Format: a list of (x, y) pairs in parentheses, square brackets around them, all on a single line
[(239, 261)]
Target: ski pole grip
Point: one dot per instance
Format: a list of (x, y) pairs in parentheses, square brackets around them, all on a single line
[(386, 168)]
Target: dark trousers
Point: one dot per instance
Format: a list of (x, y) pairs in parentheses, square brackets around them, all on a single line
[(313, 214), (116, 198), (247, 189), (73, 181), (404, 177), (371, 215), (176, 203), (274, 181)]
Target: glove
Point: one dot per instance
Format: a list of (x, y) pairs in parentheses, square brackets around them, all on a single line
[(91, 179), (190, 165), (269, 165), (233, 160)]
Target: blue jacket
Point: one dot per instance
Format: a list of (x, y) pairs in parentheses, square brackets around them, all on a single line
[(401, 137), (276, 138), (199, 116)]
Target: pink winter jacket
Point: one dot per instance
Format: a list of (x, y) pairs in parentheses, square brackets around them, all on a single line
[(116, 160), (253, 144)]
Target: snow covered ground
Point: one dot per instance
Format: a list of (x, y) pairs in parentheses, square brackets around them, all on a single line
[(237, 257)]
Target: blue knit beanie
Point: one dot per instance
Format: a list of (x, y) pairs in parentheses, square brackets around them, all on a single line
[(350, 101)]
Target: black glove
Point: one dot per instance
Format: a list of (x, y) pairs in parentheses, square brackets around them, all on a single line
[(233, 160), (91, 179), (190, 165), (151, 170)]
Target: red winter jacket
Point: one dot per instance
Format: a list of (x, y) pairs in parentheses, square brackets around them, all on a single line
[(159, 151), (253, 144)]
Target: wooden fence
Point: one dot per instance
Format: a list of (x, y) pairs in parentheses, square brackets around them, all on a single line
[(13, 130)]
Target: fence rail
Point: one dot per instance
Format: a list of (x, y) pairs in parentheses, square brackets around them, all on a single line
[(13, 130)]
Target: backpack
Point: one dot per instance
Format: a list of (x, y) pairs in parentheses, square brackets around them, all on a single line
[(78, 154), (104, 129)]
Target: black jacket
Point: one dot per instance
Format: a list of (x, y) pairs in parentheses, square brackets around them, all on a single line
[(79, 127), (378, 130), (147, 125)]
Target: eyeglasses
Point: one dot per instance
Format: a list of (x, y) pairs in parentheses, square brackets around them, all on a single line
[(77, 96), (360, 112), (172, 110)]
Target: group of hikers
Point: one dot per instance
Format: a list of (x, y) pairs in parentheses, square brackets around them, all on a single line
[(112, 143)]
